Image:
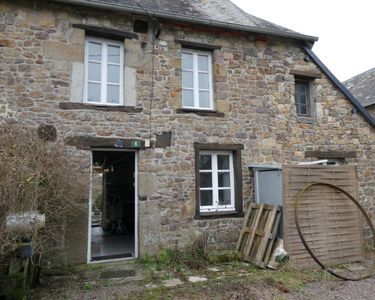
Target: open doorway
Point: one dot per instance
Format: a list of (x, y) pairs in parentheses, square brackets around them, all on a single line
[(113, 217)]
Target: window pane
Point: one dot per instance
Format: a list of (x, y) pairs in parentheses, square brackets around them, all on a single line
[(204, 99), (187, 79), (114, 54), (113, 94), (300, 99), (203, 81), (301, 109), (205, 180), (224, 197), (93, 92), (203, 63), (113, 75), (206, 198), (95, 51), (223, 162), (300, 92), (94, 72), (204, 162), (224, 179), (187, 61), (188, 98)]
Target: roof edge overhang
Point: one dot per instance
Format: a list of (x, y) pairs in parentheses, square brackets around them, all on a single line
[(358, 106), (200, 21)]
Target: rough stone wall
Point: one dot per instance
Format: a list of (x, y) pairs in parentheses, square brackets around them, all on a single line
[(41, 59), (371, 109)]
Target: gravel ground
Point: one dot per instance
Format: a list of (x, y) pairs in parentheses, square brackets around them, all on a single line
[(323, 290), (223, 282), (338, 290)]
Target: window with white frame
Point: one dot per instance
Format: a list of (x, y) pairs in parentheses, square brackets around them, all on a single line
[(104, 61), (197, 80), (216, 181)]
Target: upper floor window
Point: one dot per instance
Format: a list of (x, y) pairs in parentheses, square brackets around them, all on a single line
[(302, 97), (104, 61), (197, 80)]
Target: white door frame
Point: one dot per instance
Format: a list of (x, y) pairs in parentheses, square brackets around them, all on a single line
[(89, 261)]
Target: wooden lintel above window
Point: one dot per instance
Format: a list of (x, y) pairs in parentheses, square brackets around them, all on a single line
[(89, 142), (331, 154), (197, 46), (308, 74), (105, 32), (204, 113), (119, 108), (218, 147)]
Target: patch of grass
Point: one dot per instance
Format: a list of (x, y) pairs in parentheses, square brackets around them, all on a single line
[(147, 261), (176, 259), (234, 274), (178, 268), (225, 256), (368, 247), (235, 264), (95, 267), (166, 276), (287, 277), (107, 283), (160, 292), (88, 286), (221, 288)]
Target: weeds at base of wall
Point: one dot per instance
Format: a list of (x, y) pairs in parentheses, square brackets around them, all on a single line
[(197, 256), (231, 280)]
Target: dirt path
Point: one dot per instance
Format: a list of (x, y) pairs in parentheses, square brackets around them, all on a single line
[(223, 281), (338, 290)]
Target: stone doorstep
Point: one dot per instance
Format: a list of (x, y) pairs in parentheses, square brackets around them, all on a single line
[(122, 274), (194, 279), (176, 281)]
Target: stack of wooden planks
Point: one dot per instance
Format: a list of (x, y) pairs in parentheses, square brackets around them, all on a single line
[(258, 234)]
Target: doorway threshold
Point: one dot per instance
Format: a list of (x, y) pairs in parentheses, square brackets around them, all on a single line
[(98, 260), (115, 256)]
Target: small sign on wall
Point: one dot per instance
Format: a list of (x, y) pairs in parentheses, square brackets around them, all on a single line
[(135, 144)]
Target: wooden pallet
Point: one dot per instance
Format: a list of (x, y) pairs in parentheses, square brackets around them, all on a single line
[(258, 233)]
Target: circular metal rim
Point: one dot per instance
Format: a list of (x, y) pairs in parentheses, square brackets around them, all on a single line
[(364, 213)]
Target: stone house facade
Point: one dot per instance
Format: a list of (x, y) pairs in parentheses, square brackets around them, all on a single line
[(190, 100)]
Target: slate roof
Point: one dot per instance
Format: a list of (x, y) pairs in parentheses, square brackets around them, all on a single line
[(362, 86), (208, 12)]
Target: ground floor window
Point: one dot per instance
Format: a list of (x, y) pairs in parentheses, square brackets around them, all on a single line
[(218, 179)]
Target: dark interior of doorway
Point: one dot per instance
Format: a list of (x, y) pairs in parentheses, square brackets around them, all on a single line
[(113, 205)]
